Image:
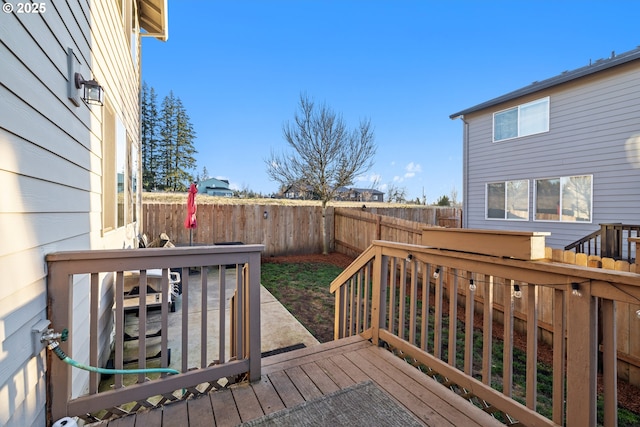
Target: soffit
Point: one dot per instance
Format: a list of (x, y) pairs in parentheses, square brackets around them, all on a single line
[(153, 18)]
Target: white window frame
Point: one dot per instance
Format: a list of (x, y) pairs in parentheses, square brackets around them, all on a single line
[(506, 201), (519, 108), (563, 180)]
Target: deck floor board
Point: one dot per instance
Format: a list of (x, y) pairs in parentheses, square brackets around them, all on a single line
[(289, 379)]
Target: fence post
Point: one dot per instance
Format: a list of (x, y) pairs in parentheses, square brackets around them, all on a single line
[(581, 357)]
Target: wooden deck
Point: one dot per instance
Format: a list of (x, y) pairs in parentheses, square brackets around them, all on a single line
[(291, 378)]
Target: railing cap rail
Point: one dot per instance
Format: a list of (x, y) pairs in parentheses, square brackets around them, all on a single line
[(486, 231), (104, 254), (542, 266)]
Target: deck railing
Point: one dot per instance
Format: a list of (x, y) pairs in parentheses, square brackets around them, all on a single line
[(407, 297), (86, 296), (610, 241)]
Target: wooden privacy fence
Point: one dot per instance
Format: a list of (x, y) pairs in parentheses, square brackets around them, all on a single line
[(281, 229), (286, 230), (354, 229)]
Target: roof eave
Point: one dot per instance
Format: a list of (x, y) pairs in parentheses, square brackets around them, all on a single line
[(154, 19)]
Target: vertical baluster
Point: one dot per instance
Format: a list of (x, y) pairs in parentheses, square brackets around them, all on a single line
[(392, 295), (559, 354), (222, 273), (468, 335), (204, 309), (164, 338), (507, 352), (142, 323), (437, 321), (367, 298), (94, 331), (352, 287), (452, 284), (413, 304), (119, 320), (242, 304), (487, 328), (609, 362), (424, 329), (402, 299), (358, 301), (185, 318), (532, 346)]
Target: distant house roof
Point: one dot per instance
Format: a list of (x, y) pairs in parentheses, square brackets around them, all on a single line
[(567, 76), (359, 190), (214, 186)]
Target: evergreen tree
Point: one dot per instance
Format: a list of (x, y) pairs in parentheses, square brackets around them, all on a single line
[(176, 145), (149, 137), (184, 160), (167, 141)]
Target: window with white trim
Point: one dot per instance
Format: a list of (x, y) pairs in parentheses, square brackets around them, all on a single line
[(523, 120), (565, 199), (508, 200)]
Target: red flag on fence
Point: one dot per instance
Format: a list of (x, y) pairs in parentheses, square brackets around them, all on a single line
[(190, 220)]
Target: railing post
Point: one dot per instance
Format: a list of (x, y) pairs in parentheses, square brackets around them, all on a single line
[(636, 241), (254, 317), (60, 291), (581, 357), (611, 240), (379, 293)]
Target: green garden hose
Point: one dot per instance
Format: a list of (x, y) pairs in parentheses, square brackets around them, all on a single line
[(66, 359)]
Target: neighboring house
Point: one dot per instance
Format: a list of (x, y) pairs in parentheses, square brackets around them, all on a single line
[(300, 192), (360, 194), (560, 155), (215, 187), (69, 171)]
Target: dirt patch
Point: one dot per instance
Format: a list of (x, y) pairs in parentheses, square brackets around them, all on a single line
[(335, 258)]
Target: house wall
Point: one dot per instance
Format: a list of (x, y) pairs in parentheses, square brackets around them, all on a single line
[(594, 128), (51, 171)]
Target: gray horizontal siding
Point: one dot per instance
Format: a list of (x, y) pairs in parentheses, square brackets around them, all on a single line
[(50, 175), (591, 124)]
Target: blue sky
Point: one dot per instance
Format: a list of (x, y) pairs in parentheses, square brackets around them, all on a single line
[(240, 67)]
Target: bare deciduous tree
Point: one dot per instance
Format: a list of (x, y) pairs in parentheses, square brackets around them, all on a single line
[(396, 194), (326, 154)]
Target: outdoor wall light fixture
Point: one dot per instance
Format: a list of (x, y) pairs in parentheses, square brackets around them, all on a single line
[(472, 285), (265, 214), (516, 291), (575, 289), (436, 273), (93, 92), (409, 258)]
